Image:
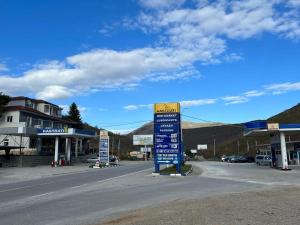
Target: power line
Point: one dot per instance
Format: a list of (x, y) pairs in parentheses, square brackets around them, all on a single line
[(129, 123), (208, 121)]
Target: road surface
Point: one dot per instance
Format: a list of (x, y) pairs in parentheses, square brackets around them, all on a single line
[(98, 195)]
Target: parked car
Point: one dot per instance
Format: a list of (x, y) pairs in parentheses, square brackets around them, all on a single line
[(246, 159), (234, 159), (227, 158), (224, 158), (93, 159), (263, 160)]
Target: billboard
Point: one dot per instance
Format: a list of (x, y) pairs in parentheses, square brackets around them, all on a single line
[(202, 147), (167, 135), (143, 139)]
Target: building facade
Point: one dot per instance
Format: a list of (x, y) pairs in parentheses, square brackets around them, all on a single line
[(36, 127)]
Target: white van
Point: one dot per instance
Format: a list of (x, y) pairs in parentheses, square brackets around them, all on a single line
[(263, 157)]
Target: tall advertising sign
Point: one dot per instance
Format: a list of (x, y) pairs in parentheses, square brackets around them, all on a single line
[(167, 135), (104, 147)]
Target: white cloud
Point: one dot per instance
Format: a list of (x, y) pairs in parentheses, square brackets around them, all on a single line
[(282, 88), (229, 100), (161, 4), (254, 93), (204, 28), (295, 3), (189, 103), (97, 70), (189, 33), (198, 102), (54, 92), (136, 107), (3, 67), (131, 107)]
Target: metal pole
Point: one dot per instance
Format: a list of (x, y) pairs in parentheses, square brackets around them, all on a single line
[(21, 157), (214, 147), (248, 147), (119, 145)]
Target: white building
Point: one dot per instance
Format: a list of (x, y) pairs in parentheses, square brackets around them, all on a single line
[(35, 127)]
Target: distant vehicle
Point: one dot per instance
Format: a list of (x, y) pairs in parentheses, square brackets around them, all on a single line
[(239, 159), (246, 159), (234, 159), (224, 158), (93, 159), (263, 160)]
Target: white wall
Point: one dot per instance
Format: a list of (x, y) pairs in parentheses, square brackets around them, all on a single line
[(15, 141), (15, 120)]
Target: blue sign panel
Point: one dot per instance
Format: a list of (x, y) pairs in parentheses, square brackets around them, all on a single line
[(53, 130), (167, 128), (167, 118), (167, 139), (104, 150)]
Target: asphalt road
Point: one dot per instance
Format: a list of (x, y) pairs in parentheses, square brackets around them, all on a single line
[(98, 195)]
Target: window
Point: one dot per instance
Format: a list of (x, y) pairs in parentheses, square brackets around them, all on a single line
[(9, 119), (5, 142), (46, 108)]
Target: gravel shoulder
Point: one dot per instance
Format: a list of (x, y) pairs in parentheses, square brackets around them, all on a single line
[(279, 205)]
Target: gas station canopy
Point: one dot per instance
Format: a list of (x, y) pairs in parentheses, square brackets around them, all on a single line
[(260, 128)]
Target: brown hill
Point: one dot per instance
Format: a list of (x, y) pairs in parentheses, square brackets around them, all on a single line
[(228, 138), (291, 115)]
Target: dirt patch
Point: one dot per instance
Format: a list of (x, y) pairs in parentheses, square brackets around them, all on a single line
[(273, 206), (121, 220)]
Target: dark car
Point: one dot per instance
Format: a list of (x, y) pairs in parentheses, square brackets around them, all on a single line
[(234, 159), (246, 159)]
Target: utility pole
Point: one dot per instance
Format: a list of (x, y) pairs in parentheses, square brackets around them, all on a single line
[(112, 145), (119, 146), (214, 147), (255, 145), (248, 147), (21, 156), (238, 145)]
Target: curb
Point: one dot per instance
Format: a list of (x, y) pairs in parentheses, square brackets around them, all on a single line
[(188, 172), (174, 174), (100, 167)]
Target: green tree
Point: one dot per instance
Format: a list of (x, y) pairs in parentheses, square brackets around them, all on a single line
[(74, 113), (4, 99)]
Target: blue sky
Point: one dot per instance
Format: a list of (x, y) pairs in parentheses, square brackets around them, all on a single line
[(225, 61)]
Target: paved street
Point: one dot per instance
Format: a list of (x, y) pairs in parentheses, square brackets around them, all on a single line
[(98, 195)]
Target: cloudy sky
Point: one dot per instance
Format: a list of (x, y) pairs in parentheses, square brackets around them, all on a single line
[(225, 61)]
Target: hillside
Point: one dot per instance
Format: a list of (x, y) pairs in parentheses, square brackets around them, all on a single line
[(291, 115), (148, 127), (229, 139)]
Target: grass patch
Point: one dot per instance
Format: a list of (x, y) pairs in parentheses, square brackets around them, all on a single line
[(172, 169)]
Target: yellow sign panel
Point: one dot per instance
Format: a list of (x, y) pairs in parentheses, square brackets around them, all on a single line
[(273, 126), (167, 107)]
